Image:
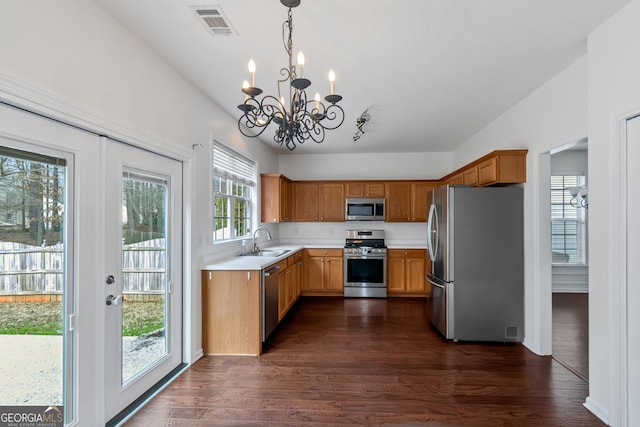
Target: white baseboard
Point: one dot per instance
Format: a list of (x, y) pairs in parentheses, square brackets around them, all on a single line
[(596, 409)]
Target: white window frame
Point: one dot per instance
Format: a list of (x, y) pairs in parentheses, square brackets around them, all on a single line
[(235, 168), (572, 217)]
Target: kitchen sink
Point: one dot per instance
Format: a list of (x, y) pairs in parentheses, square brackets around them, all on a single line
[(268, 253)]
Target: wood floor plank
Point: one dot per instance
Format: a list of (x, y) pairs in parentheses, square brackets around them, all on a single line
[(336, 361)]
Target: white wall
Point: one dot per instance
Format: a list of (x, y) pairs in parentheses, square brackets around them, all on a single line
[(614, 92), (366, 166), (70, 60)]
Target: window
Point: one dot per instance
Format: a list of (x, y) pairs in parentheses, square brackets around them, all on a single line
[(234, 188), (568, 223)]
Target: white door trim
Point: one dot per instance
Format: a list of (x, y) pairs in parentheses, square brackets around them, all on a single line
[(37, 101), (619, 355)]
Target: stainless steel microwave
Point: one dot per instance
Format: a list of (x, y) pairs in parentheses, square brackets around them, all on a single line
[(364, 209)]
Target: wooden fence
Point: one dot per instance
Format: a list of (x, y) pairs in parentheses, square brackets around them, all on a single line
[(26, 269)]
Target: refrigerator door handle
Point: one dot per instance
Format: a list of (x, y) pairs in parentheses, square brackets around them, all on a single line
[(434, 283), (432, 230)]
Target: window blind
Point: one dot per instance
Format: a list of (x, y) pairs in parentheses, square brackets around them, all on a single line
[(231, 164)]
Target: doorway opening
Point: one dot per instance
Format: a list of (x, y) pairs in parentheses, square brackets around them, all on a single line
[(569, 246)]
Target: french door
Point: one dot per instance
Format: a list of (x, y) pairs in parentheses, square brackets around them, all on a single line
[(143, 272)]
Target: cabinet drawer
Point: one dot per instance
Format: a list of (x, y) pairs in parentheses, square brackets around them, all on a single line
[(324, 252), (406, 253)]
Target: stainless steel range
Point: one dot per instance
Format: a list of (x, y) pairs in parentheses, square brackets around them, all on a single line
[(365, 264)]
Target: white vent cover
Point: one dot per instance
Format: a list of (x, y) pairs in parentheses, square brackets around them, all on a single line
[(214, 20)]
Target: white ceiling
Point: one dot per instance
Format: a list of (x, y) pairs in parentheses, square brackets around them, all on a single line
[(431, 72)]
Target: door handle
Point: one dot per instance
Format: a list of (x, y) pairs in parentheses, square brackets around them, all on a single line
[(114, 300)]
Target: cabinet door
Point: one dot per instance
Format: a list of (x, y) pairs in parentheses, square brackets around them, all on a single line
[(374, 189), (420, 208), (395, 274), (457, 179), (364, 189), (488, 171), (285, 201), (306, 197), (354, 189), (271, 202), (398, 204), (415, 275), (334, 278), (282, 293), (315, 274), (470, 176), (332, 202)]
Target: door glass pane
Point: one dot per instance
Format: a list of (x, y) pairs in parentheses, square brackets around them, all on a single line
[(144, 268), (33, 291)]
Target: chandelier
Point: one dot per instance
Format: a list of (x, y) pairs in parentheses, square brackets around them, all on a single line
[(297, 119), (578, 196)]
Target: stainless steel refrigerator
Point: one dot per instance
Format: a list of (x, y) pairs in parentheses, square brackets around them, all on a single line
[(476, 245)]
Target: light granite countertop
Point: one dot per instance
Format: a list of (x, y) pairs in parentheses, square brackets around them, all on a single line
[(242, 262)]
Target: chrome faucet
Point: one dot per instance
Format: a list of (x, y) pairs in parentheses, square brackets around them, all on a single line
[(255, 248)]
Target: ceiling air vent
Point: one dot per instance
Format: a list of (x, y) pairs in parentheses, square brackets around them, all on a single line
[(214, 20)]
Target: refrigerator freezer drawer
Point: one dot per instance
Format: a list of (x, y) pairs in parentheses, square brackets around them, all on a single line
[(440, 314)]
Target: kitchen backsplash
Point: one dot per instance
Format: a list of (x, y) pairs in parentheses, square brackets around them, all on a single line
[(332, 233)]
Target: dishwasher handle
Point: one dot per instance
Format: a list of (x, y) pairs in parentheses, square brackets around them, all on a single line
[(271, 270)]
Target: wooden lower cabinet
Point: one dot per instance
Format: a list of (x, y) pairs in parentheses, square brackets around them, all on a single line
[(324, 272), (289, 284), (231, 312), (406, 271)]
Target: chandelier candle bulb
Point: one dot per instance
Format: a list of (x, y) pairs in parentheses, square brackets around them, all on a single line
[(245, 85), (301, 63), (332, 79), (317, 99), (252, 72)]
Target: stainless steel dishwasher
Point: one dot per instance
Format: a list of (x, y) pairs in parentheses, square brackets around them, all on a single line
[(269, 300)]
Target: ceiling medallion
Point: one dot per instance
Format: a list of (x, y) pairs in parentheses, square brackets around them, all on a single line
[(298, 120)]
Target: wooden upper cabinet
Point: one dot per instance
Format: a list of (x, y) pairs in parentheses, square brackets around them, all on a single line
[(470, 176), (500, 167), (275, 203), (420, 198), (318, 202), (407, 201), (306, 198), (398, 202), (508, 167), (331, 202), (456, 179), (364, 189)]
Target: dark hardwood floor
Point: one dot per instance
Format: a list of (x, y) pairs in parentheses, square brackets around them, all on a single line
[(571, 332), (371, 362)]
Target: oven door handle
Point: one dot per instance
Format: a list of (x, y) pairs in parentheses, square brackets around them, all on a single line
[(365, 256)]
